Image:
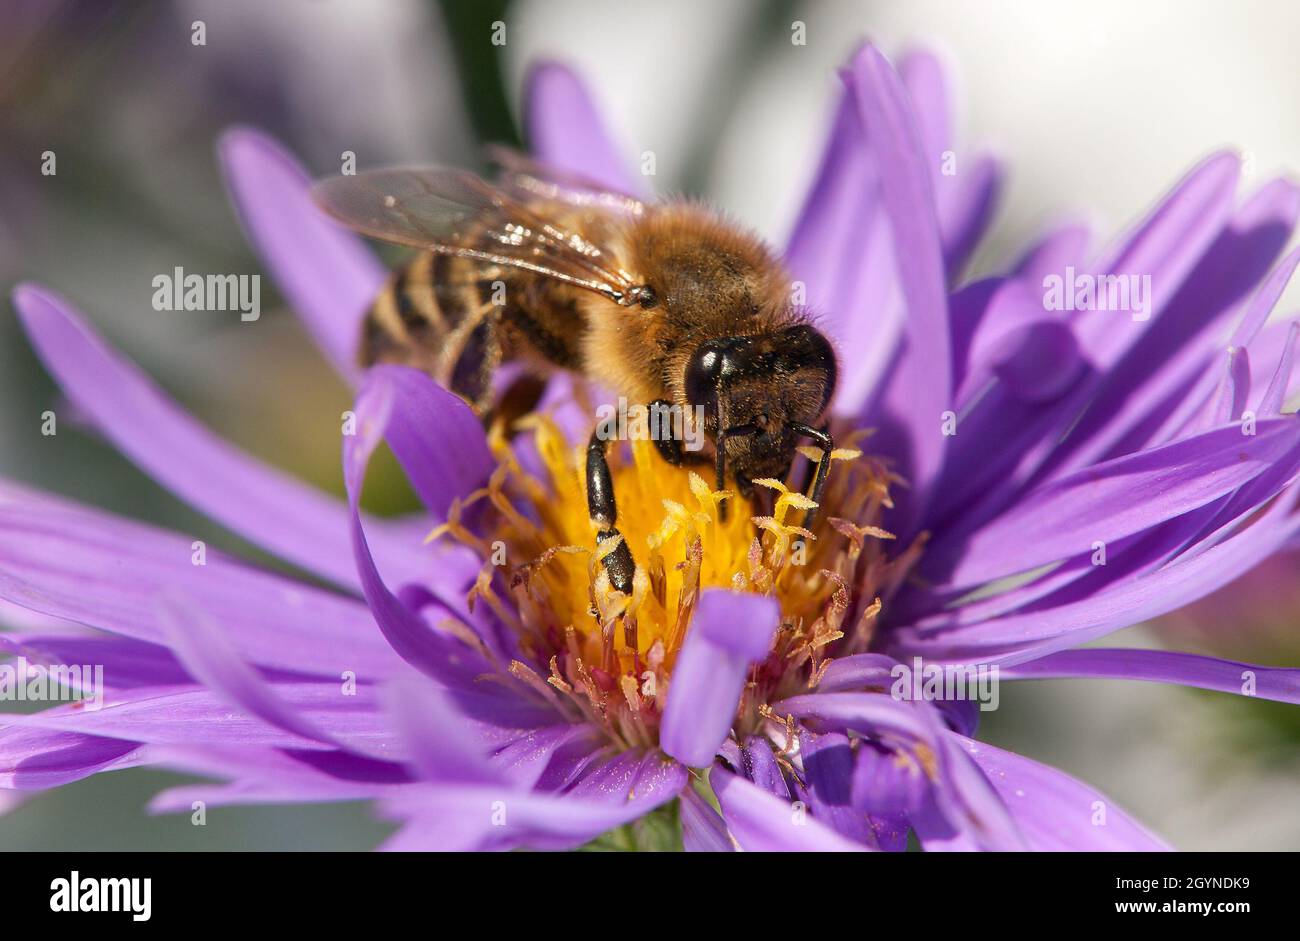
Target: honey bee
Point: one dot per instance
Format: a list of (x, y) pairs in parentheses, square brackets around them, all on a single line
[(665, 303)]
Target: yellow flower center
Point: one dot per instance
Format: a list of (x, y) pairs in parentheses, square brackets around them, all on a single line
[(610, 655)]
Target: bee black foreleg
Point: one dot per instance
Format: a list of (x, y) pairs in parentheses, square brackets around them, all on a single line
[(602, 509), (720, 474), (822, 438), (744, 487), (670, 445)]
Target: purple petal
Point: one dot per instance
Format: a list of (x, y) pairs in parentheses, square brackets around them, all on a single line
[(857, 672), (891, 832), (828, 765), (984, 315), (828, 761), (824, 248), (869, 713), (1073, 579), (192, 716), (478, 816), (1132, 407), (1167, 245), (1266, 298), (729, 631), (919, 392), (181, 800), (966, 202), (1163, 666), (965, 199), (1191, 413), (703, 829), (212, 658), (568, 763), (1190, 289), (884, 783), (436, 437), (35, 759), (942, 609), (1275, 394), (1109, 501), (756, 762), (979, 482), (440, 656), (263, 774), (1233, 390), (327, 274), (761, 822), (548, 758), (127, 664), (448, 818), (17, 618), (1053, 810), (936, 832), (565, 130), (1128, 600), (1037, 362), (959, 792), (84, 565), (966, 796), (923, 76), (268, 507), (631, 776), (440, 742)]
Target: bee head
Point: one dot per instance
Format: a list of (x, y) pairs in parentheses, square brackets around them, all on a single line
[(754, 389)]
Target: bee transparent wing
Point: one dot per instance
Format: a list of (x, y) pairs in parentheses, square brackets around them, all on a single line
[(407, 206), (523, 175), (453, 212)]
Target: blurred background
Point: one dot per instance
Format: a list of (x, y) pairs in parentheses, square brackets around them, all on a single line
[(1096, 107)]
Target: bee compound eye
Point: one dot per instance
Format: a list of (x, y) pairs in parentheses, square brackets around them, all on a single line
[(712, 365), (702, 374), (647, 297)]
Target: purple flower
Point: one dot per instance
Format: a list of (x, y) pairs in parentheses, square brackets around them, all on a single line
[(1036, 478)]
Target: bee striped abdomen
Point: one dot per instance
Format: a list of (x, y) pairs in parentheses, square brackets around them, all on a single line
[(548, 324), (458, 317), (405, 323), (429, 317)]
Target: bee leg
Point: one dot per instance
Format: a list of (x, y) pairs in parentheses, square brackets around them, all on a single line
[(619, 564), (670, 446), (720, 475), (822, 438), (745, 487)]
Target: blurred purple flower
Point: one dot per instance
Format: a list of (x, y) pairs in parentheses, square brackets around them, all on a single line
[(1078, 434)]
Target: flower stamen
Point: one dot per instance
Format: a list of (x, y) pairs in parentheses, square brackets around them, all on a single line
[(610, 654)]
